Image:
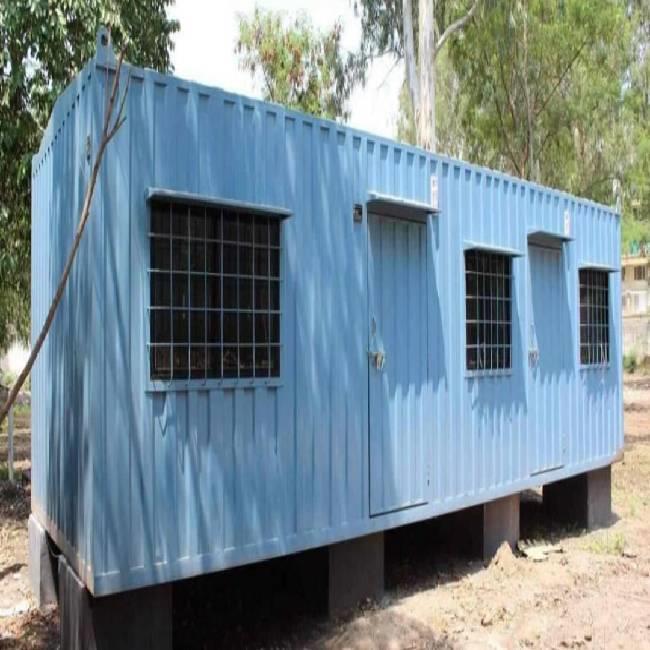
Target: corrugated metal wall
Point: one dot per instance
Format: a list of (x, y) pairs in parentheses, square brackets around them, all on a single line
[(63, 405), (198, 478)]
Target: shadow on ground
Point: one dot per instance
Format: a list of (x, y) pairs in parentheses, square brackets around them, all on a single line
[(14, 502), (282, 603), (278, 603), (537, 524)]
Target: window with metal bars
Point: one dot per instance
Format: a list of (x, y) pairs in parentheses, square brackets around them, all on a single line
[(594, 317), (215, 293), (488, 311)]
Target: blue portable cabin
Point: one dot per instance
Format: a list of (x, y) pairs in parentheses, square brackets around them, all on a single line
[(281, 333)]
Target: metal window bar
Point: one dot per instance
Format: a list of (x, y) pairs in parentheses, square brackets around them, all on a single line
[(594, 317), (488, 311), (206, 358), (171, 297)]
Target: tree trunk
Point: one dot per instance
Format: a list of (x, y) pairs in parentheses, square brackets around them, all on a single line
[(426, 113), (409, 60), (421, 73)]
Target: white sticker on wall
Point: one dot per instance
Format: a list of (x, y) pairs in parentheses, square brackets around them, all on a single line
[(434, 192), (567, 224)]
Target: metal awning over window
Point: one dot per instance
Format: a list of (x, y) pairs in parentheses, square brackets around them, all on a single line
[(188, 198), (398, 207), (548, 238), (492, 248), (596, 266)]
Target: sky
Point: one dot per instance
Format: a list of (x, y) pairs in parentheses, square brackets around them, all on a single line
[(204, 51)]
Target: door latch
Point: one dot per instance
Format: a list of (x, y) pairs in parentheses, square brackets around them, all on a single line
[(378, 358)]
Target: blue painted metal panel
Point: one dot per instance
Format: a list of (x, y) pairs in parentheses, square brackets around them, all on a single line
[(63, 409), (549, 357), (145, 485), (399, 390)]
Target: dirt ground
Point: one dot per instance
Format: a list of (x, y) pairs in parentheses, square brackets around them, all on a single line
[(591, 590)]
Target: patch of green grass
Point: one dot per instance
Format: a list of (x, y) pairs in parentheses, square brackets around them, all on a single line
[(632, 505), (23, 409), (22, 417), (630, 362), (606, 544), (4, 473)]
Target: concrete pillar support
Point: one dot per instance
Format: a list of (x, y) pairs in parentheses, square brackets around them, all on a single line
[(356, 572), (42, 565), (133, 619), (500, 524), (584, 500)]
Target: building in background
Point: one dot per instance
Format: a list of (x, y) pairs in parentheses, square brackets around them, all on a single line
[(635, 275)]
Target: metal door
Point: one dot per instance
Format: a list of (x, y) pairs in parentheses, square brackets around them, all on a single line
[(549, 358), (397, 363)]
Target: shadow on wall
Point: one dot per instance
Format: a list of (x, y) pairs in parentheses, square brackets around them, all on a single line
[(202, 471)]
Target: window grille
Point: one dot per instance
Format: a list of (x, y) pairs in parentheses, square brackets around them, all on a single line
[(488, 311), (639, 272), (215, 293), (594, 317)]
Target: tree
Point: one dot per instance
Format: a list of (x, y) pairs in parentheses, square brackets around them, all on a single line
[(113, 121), (391, 27), (543, 91), (450, 138), (44, 43), (635, 195), (300, 66)]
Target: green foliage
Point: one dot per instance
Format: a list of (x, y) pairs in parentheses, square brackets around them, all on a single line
[(634, 230), (629, 362), (542, 82), (301, 67), (7, 378), (43, 45), (607, 543), (381, 25), (557, 92), (405, 120), (636, 135)]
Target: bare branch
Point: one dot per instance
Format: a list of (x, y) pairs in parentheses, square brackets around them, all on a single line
[(561, 78), (454, 27), (504, 131), (108, 132), (506, 89), (119, 118), (390, 71)]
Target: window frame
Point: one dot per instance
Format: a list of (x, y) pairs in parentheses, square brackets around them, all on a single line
[(601, 364), (156, 384), (509, 255)]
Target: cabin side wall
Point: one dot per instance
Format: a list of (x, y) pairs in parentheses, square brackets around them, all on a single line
[(198, 478), (63, 376)]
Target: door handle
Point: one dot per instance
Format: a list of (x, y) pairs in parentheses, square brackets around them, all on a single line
[(378, 358)]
